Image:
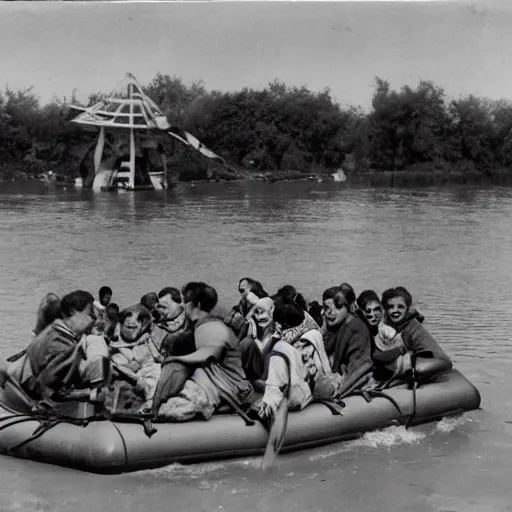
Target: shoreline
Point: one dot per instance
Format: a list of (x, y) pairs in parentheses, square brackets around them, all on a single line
[(372, 178)]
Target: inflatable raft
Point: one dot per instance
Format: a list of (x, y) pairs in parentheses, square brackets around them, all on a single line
[(116, 447)]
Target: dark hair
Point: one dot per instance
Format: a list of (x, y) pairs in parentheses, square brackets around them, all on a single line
[(337, 295), (290, 293), (287, 312), (257, 288), (399, 291), (365, 297), (173, 292), (112, 307), (189, 288), (149, 300), (75, 301), (250, 280), (315, 311), (143, 314), (105, 290), (254, 286), (330, 293), (201, 295), (348, 291)]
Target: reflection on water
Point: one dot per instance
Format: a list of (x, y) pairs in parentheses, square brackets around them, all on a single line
[(450, 247)]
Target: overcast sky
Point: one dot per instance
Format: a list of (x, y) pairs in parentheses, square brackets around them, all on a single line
[(56, 46)]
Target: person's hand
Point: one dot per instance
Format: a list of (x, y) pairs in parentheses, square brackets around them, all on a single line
[(404, 364), (266, 412)]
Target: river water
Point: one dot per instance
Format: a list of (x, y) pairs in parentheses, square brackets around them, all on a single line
[(451, 247)]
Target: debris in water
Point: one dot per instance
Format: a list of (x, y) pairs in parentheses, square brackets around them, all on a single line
[(204, 484)]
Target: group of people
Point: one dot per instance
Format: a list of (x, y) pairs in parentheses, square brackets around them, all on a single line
[(179, 354)]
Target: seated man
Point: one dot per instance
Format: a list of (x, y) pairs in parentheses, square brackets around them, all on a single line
[(169, 320), (59, 357), (217, 373), (347, 341)]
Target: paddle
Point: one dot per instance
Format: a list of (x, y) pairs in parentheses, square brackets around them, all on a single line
[(276, 435)]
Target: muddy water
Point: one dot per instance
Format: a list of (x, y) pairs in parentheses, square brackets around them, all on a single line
[(451, 247)]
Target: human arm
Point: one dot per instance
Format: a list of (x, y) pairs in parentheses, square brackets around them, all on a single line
[(211, 342), (200, 357), (430, 357)]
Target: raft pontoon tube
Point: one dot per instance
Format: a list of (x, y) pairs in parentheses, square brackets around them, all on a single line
[(117, 447)]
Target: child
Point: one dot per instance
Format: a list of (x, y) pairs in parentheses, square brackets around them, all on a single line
[(105, 295)]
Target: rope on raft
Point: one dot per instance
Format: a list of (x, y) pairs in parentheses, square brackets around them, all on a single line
[(414, 388), (369, 394), (45, 424)]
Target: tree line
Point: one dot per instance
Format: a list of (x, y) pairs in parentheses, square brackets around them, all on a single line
[(279, 128)]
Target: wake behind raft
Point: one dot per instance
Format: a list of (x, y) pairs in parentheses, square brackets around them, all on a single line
[(112, 447)]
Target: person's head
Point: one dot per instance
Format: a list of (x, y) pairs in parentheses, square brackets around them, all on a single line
[(200, 298), (105, 295), (315, 311), (287, 313), (149, 300), (247, 284), (350, 296), (112, 311), (290, 293), (244, 285), (111, 318), (335, 306), (48, 311), (263, 311), (169, 304), (397, 303), (370, 306), (78, 312), (189, 288), (134, 321)]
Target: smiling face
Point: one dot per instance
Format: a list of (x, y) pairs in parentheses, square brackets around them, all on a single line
[(334, 316), (131, 327), (396, 309), (373, 312)]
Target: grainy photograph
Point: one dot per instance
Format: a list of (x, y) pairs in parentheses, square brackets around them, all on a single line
[(255, 256)]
